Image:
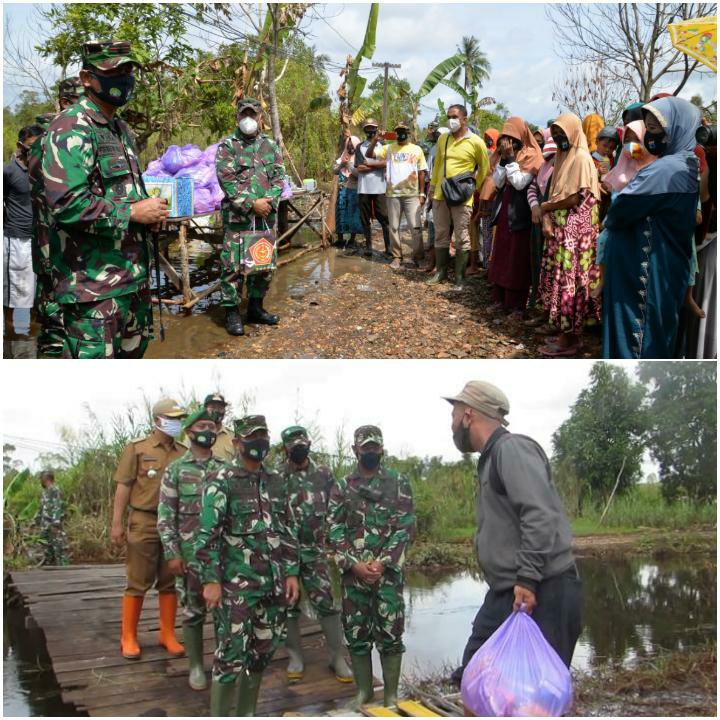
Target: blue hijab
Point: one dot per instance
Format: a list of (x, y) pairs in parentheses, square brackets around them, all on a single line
[(676, 171)]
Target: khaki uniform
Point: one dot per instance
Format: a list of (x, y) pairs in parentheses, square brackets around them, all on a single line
[(223, 448), (142, 465)]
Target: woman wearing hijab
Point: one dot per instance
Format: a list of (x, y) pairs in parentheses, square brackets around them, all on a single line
[(486, 199), (518, 161), (591, 126), (347, 210), (570, 225), (648, 250), (537, 194)]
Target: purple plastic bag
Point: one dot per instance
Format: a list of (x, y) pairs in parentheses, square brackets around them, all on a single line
[(204, 202), (516, 673), (154, 168), (172, 159), (209, 154), (287, 191), (192, 154)]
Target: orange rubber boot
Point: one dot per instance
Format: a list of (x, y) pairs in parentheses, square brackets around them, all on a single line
[(131, 608), (168, 609)]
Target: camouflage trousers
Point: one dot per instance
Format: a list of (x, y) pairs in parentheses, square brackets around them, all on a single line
[(119, 327), (317, 586), (373, 613), (249, 628), (190, 588), (55, 542), (50, 316), (230, 260)]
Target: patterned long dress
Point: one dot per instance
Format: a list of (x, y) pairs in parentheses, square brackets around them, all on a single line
[(568, 271)]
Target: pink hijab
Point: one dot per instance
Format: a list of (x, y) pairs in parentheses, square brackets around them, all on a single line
[(628, 167), (543, 176)]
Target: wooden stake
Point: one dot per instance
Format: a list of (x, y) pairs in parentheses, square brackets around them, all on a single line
[(185, 264)]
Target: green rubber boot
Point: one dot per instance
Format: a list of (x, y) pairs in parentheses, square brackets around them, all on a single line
[(461, 261), (363, 674), (193, 638), (391, 678), (248, 689), (333, 635), (222, 698), (442, 257)]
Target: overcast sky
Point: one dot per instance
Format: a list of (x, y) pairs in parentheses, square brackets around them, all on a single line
[(517, 38), (403, 397)]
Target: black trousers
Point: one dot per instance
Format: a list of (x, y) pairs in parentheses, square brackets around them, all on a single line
[(367, 204), (558, 614)]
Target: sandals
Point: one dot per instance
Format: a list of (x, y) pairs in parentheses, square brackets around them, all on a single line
[(553, 350)]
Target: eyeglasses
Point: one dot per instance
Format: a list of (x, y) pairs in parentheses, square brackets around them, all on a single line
[(114, 47)]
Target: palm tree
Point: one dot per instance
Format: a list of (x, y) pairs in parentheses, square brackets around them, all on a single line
[(475, 66)]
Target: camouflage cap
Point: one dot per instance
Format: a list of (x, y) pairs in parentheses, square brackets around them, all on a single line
[(70, 87), (107, 54), (192, 418), (370, 122), (368, 434), (295, 435), (168, 408), (248, 102), (485, 398), (433, 125), (249, 424), (214, 398)]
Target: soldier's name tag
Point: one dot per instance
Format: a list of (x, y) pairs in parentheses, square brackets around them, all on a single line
[(259, 251)]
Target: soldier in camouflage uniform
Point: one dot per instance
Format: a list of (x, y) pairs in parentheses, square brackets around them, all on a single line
[(216, 407), (372, 520), (50, 517), (49, 311), (250, 171), (97, 209), (248, 565), (301, 490), (178, 523)]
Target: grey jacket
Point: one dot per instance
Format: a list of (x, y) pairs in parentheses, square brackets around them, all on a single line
[(522, 536)]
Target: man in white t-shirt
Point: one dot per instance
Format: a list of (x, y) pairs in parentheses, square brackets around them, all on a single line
[(405, 173)]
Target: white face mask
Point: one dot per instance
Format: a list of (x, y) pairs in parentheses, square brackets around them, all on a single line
[(454, 124), (248, 125), (170, 426)]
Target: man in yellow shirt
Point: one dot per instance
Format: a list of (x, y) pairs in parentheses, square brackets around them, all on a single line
[(405, 170), (460, 151)]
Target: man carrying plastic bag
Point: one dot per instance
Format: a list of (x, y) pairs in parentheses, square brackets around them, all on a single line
[(523, 538)]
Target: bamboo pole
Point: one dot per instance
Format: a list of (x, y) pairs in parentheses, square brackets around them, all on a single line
[(170, 273)]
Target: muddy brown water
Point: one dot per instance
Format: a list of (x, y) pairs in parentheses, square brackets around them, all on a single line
[(633, 608), (201, 334)]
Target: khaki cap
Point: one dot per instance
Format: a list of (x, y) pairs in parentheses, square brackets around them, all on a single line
[(169, 408), (370, 122), (485, 398), (402, 125)]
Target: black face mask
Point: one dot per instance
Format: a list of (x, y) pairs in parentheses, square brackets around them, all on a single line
[(461, 438), (116, 90), (370, 460), (299, 454), (562, 143), (370, 134), (656, 143), (402, 136), (256, 449), (204, 438)]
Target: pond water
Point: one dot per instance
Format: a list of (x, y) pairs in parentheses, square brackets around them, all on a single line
[(632, 608)]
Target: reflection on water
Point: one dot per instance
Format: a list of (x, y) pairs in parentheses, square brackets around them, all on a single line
[(632, 608)]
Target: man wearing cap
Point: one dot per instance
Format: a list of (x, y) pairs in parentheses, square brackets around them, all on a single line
[(178, 521), (371, 189), (302, 491), (405, 171), (48, 310), (216, 407), (523, 541), (248, 562), (98, 213), (49, 517), (138, 476), (371, 517), (250, 171)]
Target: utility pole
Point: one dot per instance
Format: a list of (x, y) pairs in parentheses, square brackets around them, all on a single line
[(386, 66)]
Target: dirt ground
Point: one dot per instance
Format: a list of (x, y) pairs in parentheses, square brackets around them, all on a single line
[(381, 313)]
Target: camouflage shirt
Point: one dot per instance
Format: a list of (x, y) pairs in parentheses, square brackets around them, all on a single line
[(248, 169), (306, 494), (371, 519), (41, 217), (51, 510), (241, 542), (91, 177), (180, 503)]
